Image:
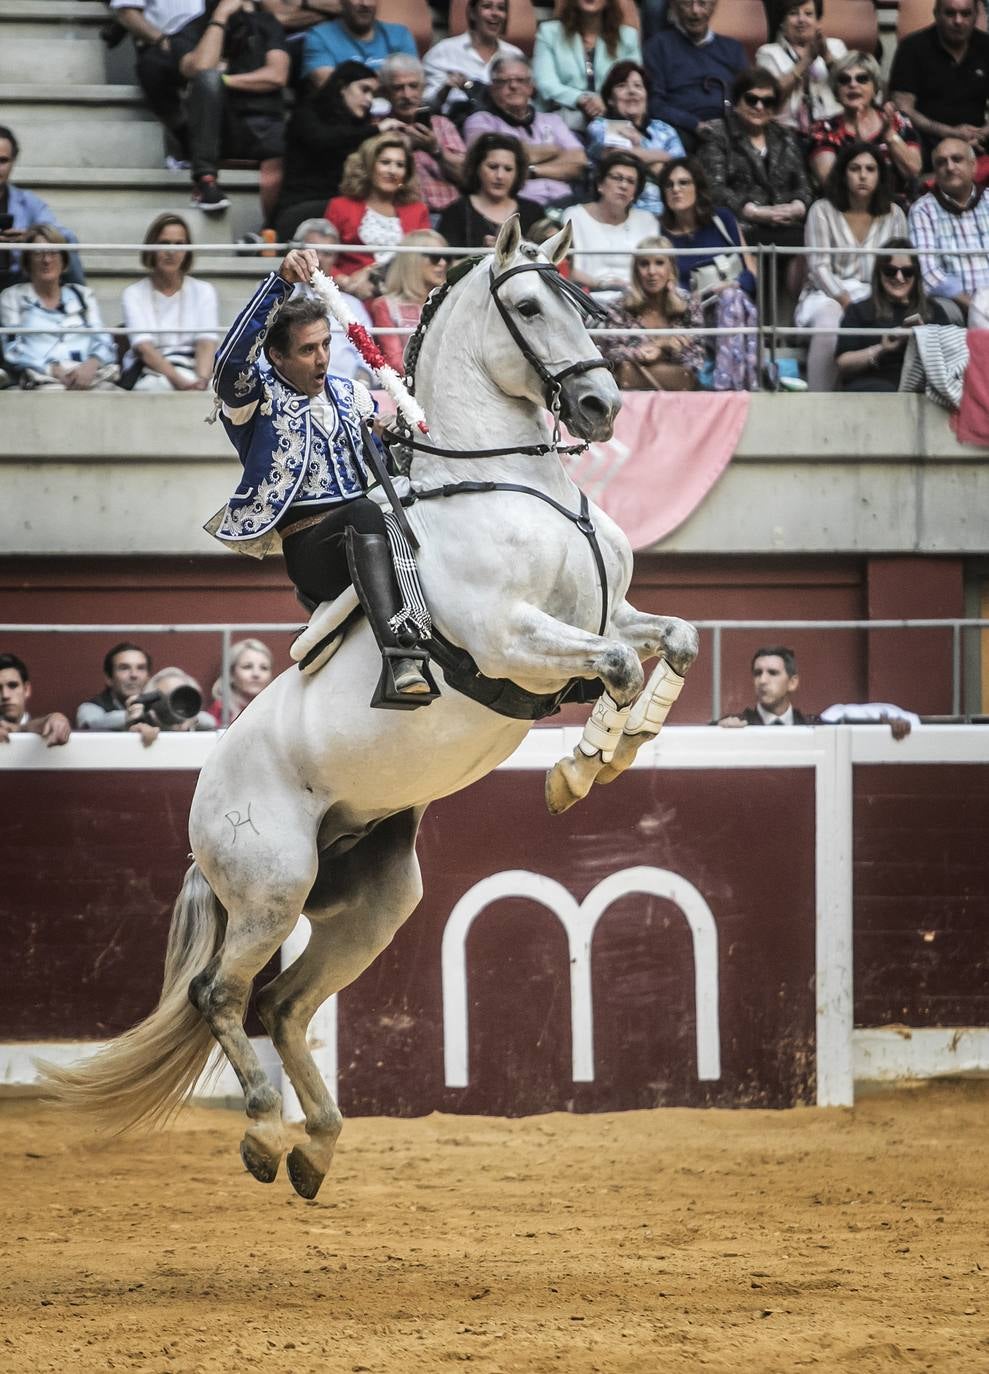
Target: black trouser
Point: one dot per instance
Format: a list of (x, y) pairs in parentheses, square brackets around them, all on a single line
[(218, 128), (316, 558), (161, 81)]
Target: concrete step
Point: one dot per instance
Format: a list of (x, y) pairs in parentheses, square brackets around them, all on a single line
[(82, 126), (83, 61), (65, 19), (233, 292)]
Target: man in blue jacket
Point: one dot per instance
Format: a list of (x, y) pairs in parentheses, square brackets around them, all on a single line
[(690, 69), (299, 435)]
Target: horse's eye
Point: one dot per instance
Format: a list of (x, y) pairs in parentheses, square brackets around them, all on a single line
[(528, 309)]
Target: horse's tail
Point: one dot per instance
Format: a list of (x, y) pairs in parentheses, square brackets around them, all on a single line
[(148, 1072)]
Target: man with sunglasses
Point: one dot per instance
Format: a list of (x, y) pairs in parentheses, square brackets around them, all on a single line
[(690, 69), (940, 77), (950, 227)]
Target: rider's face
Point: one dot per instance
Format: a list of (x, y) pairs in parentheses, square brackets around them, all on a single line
[(307, 357)]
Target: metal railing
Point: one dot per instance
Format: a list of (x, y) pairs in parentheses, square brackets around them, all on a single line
[(958, 625)]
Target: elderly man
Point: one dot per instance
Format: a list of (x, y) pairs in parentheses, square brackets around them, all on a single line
[(690, 69), (357, 36), (940, 76), (955, 215), (437, 148), (324, 237), (15, 693), (556, 157)]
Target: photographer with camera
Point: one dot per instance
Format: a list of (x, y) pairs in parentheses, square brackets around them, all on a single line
[(171, 700)]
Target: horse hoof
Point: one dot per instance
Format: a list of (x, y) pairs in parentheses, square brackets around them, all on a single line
[(559, 797), (303, 1173), (260, 1165)]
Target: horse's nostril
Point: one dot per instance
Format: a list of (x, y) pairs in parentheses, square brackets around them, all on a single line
[(594, 407)]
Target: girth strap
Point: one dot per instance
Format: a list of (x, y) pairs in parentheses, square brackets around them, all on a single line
[(582, 519)]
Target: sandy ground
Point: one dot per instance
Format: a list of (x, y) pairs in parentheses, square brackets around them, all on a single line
[(670, 1240)]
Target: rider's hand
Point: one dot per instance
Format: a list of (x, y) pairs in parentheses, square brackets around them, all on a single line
[(299, 265)]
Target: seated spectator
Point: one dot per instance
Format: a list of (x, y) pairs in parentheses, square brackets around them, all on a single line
[(541, 232), (24, 210), (755, 166), (606, 230), (494, 173), (327, 125), (378, 205), (575, 53), (459, 68), (345, 361), (160, 717), (898, 301), (856, 82), (57, 360), (654, 301), (357, 36), (172, 320), (625, 124), (556, 156), (940, 77), (775, 679), (723, 284), (437, 148), (408, 281), (153, 24), (856, 215), (690, 69), (236, 64), (126, 669), (15, 693), (801, 59), (954, 215), (250, 672)]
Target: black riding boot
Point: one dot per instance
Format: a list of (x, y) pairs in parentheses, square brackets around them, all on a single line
[(403, 684)]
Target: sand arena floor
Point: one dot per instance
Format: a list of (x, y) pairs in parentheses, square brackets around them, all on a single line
[(647, 1241)]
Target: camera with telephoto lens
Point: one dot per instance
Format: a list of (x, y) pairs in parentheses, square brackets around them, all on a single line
[(169, 709)]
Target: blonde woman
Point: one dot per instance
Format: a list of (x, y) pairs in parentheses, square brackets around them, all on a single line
[(250, 671), (654, 301), (864, 118), (378, 205), (408, 281), (172, 320)]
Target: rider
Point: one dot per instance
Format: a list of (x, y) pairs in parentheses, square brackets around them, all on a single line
[(298, 432)]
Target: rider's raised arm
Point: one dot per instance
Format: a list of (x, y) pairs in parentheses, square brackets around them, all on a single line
[(236, 378)]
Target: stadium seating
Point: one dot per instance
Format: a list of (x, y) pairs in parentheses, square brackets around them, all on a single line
[(744, 20), (853, 21), (414, 14)]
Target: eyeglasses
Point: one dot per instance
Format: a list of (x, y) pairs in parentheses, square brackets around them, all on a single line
[(616, 179), (439, 257), (892, 273), (511, 81), (757, 102), (854, 79)]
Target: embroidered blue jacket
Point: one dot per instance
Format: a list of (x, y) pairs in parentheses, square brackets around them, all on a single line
[(287, 454)]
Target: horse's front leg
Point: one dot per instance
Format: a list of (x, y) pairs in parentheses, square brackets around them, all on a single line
[(601, 756)]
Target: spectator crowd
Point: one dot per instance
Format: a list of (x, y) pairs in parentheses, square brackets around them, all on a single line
[(644, 145)]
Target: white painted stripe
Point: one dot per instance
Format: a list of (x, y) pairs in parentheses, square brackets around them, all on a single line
[(834, 988), (17, 1063), (887, 1053)]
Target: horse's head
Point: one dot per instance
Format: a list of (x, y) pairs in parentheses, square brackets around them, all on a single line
[(543, 343)]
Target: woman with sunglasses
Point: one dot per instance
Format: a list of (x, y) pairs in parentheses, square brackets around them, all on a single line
[(855, 216), (408, 281), (755, 166), (898, 301), (856, 82)]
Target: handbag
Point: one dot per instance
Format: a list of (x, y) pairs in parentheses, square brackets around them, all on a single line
[(725, 267)]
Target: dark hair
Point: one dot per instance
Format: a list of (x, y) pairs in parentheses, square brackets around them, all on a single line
[(9, 135), (160, 222), (783, 7), (620, 73), (754, 79), (836, 182), (47, 233), (124, 647), (329, 97), (618, 158), (778, 651), (298, 310), (611, 22), (704, 208), (11, 660), (472, 6), (918, 304), (493, 143)]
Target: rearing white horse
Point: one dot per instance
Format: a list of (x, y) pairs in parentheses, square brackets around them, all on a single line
[(311, 802)]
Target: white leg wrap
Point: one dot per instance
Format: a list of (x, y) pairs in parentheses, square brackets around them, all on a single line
[(650, 709), (604, 729)]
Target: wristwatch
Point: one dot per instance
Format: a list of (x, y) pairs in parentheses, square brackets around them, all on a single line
[(468, 86)]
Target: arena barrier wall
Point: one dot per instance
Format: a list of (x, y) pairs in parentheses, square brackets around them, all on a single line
[(746, 918)]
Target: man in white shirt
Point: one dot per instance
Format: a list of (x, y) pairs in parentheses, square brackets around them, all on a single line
[(455, 65), (151, 24)]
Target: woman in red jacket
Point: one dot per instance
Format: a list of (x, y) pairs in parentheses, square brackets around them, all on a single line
[(378, 206)]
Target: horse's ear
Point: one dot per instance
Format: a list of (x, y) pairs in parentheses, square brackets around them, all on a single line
[(507, 242), (557, 248)]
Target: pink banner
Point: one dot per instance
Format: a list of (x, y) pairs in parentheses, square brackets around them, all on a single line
[(971, 424), (668, 450)]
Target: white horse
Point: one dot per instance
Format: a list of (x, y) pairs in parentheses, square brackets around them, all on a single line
[(311, 802)]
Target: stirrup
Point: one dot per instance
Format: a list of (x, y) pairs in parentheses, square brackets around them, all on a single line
[(387, 696)]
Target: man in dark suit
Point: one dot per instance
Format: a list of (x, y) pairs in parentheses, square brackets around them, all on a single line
[(775, 679)]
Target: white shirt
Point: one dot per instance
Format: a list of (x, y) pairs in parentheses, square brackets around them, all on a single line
[(168, 16), (613, 264), (193, 313), (768, 718), (458, 54), (780, 59)]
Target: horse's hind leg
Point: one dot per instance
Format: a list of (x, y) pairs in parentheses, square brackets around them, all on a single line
[(358, 902)]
